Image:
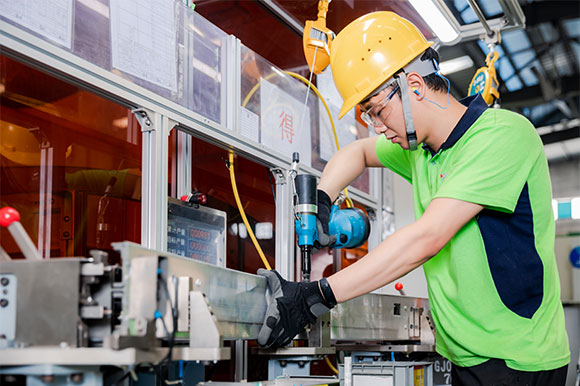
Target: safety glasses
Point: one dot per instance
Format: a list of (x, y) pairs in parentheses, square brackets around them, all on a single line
[(372, 115)]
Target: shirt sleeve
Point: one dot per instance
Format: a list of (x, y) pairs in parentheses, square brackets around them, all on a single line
[(493, 162), (394, 157)]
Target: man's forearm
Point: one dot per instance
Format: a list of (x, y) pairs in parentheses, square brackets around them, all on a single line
[(405, 249), (402, 252), (346, 165)]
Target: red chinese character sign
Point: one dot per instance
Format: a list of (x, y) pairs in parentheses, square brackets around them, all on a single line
[(286, 126), (280, 123)]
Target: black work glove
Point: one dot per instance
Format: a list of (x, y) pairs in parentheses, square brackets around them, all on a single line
[(322, 219), (292, 306)]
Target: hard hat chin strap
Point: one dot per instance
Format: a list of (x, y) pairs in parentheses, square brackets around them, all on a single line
[(401, 78)]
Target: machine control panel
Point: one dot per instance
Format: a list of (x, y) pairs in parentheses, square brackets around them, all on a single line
[(7, 309), (196, 232)]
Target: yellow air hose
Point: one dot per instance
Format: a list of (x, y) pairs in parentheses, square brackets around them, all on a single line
[(243, 212), (334, 370)]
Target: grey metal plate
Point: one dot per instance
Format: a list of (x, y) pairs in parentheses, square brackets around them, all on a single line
[(298, 351), (404, 348), (47, 300), (103, 356), (313, 381), (372, 318), (237, 299)]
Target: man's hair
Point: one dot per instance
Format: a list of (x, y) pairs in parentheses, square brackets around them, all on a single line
[(433, 81)]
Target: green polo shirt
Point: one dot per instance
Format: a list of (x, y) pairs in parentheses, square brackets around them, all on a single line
[(494, 288)]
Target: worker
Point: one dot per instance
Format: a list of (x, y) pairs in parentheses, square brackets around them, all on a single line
[(485, 228)]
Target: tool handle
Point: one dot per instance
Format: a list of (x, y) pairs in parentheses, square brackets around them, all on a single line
[(10, 218)]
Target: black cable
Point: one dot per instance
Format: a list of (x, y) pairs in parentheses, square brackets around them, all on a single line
[(171, 338), (137, 367)]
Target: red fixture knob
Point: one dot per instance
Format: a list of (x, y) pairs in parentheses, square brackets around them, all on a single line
[(8, 215), (399, 286)]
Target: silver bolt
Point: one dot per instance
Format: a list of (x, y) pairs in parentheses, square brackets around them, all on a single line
[(47, 378), (77, 378)]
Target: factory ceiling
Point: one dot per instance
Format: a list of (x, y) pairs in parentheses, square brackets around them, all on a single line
[(538, 67)]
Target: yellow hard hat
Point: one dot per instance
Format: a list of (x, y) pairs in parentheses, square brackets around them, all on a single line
[(19, 145), (369, 51)]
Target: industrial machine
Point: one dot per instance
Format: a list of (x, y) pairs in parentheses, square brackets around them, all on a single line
[(86, 321)]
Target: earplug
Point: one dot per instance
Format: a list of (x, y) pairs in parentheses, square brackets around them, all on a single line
[(415, 91)]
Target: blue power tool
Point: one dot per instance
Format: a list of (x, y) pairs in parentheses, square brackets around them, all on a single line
[(348, 228)]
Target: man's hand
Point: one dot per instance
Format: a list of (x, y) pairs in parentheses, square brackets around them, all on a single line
[(322, 219), (292, 306)]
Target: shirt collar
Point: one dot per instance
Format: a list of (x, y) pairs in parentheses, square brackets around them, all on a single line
[(475, 107)]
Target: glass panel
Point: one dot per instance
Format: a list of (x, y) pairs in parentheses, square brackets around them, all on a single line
[(348, 129), (577, 51), (515, 41), (469, 16), (541, 111), (460, 5), (490, 8), (172, 169), (206, 92), (278, 101), (513, 83), (562, 60), (548, 32), (529, 78), (523, 59), (166, 48), (265, 88), (505, 68), (210, 176), (70, 164), (572, 27), (388, 205)]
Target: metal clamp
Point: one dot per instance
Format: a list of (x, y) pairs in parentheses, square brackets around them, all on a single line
[(142, 116), (279, 175)]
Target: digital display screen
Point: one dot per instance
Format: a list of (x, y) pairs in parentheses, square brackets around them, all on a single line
[(195, 233)]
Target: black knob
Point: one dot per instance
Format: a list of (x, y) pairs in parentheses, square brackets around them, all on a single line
[(4, 281), (343, 239), (3, 303)]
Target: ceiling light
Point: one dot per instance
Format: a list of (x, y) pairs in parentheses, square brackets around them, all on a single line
[(435, 19), (454, 65)]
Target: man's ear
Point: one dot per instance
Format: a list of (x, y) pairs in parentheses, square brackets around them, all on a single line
[(416, 85)]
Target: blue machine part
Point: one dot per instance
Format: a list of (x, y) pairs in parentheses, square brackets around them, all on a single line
[(306, 229), (575, 257), (351, 227)]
